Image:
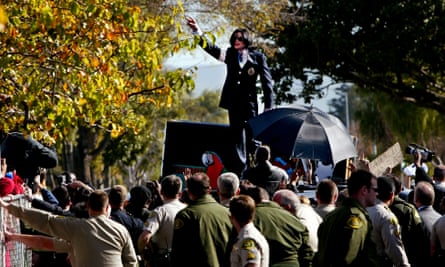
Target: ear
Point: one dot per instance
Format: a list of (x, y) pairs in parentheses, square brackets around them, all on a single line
[(393, 195), (363, 190)]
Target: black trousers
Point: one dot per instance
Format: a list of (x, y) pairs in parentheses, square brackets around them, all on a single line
[(242, 140)]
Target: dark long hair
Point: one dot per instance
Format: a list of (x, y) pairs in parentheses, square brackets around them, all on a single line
[(246, 37)]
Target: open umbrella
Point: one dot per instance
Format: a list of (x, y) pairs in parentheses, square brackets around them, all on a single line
[(303, 132)]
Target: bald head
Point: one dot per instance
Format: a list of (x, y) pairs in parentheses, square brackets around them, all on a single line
[(423, 194), (287, 199)]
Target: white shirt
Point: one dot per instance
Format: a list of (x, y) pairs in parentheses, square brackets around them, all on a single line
[(243, 56), (410, 170), (251, 247), (161, 221), (310, 218)]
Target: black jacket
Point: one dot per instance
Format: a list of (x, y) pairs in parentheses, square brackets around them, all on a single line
[(134, 225), (239, 93), (25, 155)]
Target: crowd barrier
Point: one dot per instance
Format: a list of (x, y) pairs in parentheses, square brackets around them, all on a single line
[(13, 254)]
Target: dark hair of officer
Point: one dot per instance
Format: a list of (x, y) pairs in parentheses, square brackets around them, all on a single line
[(386, 188), (326, 190), (242, 208), (98, 200), (257, 193), (198, 184), (358, 179), (171, 185)]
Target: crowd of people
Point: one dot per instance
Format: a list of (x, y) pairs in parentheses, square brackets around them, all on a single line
[(255, 216), (253, 219)]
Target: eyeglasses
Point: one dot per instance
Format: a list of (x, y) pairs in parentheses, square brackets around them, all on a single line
[(240, 38)]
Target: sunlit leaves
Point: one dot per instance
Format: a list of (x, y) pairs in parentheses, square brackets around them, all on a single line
[(3, 19), (68, 64)]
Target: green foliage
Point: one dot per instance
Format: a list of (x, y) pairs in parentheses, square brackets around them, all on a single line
[(381, 122), (204, 108), (69, 64), (394, 47)]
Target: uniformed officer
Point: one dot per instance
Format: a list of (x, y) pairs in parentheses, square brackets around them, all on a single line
[(203, 229), (251, 246), (158, 228), (414, 237), (96, 241), (386, 232), (287, 236), (345, 233)]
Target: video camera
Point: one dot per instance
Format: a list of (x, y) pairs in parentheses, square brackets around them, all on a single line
[(426, 154)]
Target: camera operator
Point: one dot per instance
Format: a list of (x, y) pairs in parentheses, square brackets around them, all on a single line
[(420, 173), (410, 171)]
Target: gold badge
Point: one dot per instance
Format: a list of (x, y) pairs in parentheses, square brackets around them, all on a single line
[(179, 224), (248, 244), (354, 222), (251, 71), (251, 256)]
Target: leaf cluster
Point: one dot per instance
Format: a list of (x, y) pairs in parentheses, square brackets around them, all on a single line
[(69, 64), (395, 47)]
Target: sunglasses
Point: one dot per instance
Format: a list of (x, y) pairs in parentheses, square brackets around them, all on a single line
[(239, 38)]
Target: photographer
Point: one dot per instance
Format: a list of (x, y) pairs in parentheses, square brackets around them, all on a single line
[(418, 169), (420, 174)]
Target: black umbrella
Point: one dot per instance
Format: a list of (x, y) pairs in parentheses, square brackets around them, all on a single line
[(303, 132)]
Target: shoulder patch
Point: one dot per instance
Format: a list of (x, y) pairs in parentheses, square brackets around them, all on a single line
[(248, 244), (178, 224), (354, 222), (394, 221), (250, 256), (416, 214), (151, 214)]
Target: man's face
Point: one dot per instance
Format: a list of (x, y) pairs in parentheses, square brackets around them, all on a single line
[(372, 193), (239, 41)]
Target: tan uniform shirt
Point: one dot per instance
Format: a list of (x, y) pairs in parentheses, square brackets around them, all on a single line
[(251, 247), (161, 223), (386, 234), (96, 241)]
